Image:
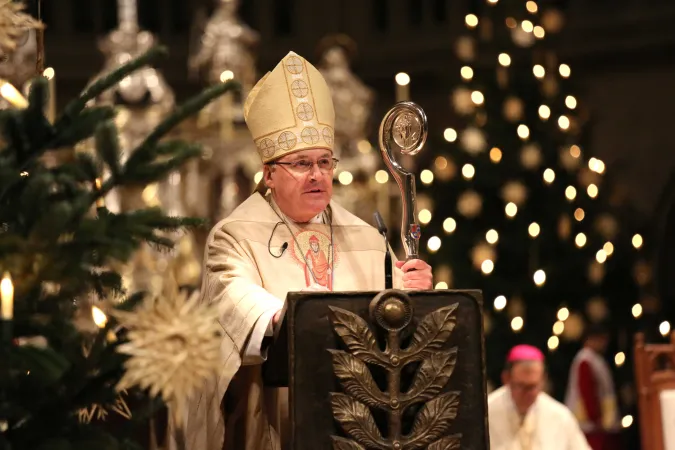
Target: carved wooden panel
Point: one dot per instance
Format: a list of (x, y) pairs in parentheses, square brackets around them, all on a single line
[(389, 371), (654, 374)]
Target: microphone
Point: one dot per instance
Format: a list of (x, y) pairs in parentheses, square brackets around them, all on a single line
[(388, 265)]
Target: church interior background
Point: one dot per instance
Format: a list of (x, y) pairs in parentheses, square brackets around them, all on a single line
[(600, 77)]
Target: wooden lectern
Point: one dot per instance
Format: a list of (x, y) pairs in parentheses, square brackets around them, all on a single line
[(382, 370), (655, 377)]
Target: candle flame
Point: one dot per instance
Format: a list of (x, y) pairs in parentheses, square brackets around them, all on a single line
[(100, 319), (12, 95)]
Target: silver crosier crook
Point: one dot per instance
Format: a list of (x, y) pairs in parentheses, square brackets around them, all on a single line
[(404, 127)]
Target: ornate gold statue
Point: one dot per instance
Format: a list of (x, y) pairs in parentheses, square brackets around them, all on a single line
[(353, 100), (144, 99), (18, 66), (227, 45)]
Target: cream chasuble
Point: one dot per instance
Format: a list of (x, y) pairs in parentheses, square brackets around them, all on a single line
[(248, 276), (548, 425)]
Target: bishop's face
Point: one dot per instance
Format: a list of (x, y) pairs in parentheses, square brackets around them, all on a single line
[(525, 380), (302, 182)]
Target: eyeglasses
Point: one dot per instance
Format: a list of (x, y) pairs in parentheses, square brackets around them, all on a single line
[(304, 165)]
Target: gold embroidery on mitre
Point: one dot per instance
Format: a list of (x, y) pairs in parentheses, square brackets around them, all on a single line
[(290, 109)]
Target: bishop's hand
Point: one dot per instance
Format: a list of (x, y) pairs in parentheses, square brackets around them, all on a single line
[(416, 274)]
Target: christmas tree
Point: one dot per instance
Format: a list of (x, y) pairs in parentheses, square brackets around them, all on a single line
[(513, 202), (75, 346)]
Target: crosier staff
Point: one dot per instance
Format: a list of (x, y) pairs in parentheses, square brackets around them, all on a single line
[(404, 127)]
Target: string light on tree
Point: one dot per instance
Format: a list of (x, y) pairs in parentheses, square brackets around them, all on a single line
[(539, 277), (558, 327), (523, 131), (495, 155), (539, 32), (511, 209), (664, 328), (534, 229), (570, 102), (492, 236), (575, 151), (580, 240), (579, 214), (627, 421), (424, 216), (549, 176), (477, 97), (636, 310), (544, 112), (608, 248), (531, 7), (564, 122), (565, 70), (471, 20), (381, 176), (449, 225), (504, 59), (563, 314), (601, 256), (539, 71), (467, 73), (450, 135), (468, 171), (500, 303), (619, 359), (427, 176), (570, 193), (592, 190), (517, 323), (527, 26), (553, 342), (637, 241), (434, 244), (487, 266)]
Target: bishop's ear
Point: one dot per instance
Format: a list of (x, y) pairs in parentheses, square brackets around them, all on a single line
[(267, 175)]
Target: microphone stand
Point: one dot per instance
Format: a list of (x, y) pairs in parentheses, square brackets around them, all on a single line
[(388, 264)]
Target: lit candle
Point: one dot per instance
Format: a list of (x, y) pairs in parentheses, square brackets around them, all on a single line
[(100, 319), (402, 87), (7, 297), (12, 95), (100, 202), (49, 74), (226, 111)]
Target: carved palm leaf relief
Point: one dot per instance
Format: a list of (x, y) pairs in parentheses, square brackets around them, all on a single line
[(357, 381), (433, 332), (433, 374), (446, 443), (357, 421), (356, 335), (340, 443), (392, 311), (433, 420)]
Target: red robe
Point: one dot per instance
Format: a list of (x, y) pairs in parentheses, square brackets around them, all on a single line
[(584, 379)]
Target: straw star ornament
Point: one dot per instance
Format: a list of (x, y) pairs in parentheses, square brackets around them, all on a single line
[(174, 346)]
